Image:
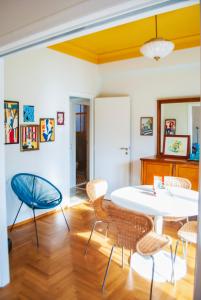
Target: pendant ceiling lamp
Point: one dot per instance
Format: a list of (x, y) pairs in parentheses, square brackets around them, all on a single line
[(157, 48)]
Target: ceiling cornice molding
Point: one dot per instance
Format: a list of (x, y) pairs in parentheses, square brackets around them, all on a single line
[(70, 49), (76, 51)]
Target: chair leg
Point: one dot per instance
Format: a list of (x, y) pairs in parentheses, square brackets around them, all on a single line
[(122, 257), (108, 265), (152, 278), (92, 230), (16, 217), (172, 262), (131, 253), (35, 227), (175, 252), (65, 218), (106, 232), (184, 248)]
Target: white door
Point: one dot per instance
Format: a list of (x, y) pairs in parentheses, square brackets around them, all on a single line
[(112, 141)]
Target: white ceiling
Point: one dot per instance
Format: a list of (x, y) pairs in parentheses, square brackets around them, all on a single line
[(25, 19), (19, 18), (15, 14)]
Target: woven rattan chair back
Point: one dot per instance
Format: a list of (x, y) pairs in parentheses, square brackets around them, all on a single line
[(177, 182), (127, 227), (172, 181), (96, 190)]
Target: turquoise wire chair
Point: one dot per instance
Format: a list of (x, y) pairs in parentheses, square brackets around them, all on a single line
[(37, 193)]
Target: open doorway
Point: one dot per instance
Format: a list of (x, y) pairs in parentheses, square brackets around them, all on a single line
[(79, 145)]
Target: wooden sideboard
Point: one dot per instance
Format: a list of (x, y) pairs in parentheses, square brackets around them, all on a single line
[(160, 166)]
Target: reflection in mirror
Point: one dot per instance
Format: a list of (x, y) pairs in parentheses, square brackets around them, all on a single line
[(181, 119)]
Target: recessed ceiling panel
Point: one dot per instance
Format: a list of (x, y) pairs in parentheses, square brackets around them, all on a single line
[(181, 26)]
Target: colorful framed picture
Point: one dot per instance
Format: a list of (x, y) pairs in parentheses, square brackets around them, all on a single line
[(60, 118), (28, 113), (29, 137), (177, 145), (47, 130), (11, 122), (170, 127), (146, 126)]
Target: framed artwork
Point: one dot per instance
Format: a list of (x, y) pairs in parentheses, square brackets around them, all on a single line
[(11, 122), (47, 130), (170, 127), (28, 113), (60, 118), (29, 137), (146, 126), (177, 145)]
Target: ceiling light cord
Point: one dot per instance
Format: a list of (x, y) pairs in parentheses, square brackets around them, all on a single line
[(157, 48), (156, 22)]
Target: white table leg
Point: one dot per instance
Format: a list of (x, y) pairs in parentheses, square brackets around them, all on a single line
[(158, 224)]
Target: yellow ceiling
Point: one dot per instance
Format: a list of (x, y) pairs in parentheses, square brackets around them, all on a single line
[(122, 42)]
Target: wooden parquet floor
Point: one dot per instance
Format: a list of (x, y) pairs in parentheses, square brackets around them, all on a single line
[(59, 270)]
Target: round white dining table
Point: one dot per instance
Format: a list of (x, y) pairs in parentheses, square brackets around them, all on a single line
[(171, 202)]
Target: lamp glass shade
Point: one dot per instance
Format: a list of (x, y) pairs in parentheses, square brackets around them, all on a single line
[(157, 48)]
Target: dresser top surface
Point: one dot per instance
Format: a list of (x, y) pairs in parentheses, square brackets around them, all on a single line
[(163, 159)]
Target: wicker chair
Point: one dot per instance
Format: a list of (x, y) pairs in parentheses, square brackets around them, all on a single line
[(96, 190), (151, 244), (187, 234), (171, 181), (177, 182), (133, 231)]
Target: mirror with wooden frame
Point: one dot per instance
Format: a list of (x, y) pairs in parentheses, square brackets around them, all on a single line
[(180, 116)]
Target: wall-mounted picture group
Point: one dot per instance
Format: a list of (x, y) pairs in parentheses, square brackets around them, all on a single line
[(47, 130), (28, 113), (146, 126), (170, 126), (11, 121), (29, 135)]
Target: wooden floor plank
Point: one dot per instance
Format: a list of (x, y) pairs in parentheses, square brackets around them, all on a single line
[(59, 270)]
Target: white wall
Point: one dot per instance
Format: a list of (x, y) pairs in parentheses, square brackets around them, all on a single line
[(45, 78), (4, 267), (145, 81)]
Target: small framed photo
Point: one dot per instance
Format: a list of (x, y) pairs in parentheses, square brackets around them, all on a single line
[(28, 113), (47, 130), (29, 137), (146, 126), (60, 118), (176, 146), (170, 127)]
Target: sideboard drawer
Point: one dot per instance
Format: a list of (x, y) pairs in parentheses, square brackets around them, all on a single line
[(161, 166), (151, 169), (190, 172)]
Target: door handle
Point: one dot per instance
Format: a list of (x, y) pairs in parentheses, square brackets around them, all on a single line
[(124, 148)]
